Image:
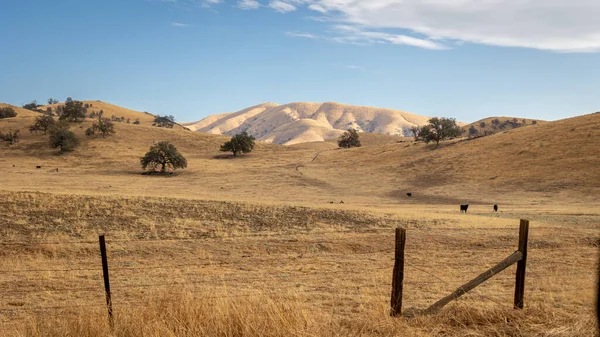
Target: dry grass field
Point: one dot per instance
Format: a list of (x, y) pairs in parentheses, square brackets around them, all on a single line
[(253, 246)]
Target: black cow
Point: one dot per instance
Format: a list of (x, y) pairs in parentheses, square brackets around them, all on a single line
[(495, 208), (464, 208), (409, 194), (38, 167)]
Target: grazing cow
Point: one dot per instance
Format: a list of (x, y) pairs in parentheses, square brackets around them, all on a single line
[(495, 208), (409, 194), (464, 208), (38, 167), (57, 169), (341, 202)]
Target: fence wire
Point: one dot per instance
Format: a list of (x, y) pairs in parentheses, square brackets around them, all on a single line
[(465, 234)]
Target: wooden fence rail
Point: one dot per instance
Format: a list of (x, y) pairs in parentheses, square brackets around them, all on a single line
[(519, 257)]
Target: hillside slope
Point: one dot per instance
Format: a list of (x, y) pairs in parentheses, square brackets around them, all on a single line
[(308, 122), (553, 162), (549, 161), (20, 111), (491, 125)]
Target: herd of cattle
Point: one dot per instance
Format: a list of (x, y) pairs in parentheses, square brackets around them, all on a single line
[(463, 208)]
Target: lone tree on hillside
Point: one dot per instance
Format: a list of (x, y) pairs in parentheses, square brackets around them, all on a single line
[(240, 143), (473, 131), (42, 123), (103, 126), (439, 129), (164, 121), (73, 111), (7, 111), (165, 155), (31, 106), (349, 139), (63, 138)]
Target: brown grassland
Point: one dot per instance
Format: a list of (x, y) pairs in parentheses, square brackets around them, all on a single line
[(261, 245)]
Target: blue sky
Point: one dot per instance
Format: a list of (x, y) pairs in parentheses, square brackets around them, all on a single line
[(192, 58)]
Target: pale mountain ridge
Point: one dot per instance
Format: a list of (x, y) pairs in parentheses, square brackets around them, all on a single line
[(300, 122)]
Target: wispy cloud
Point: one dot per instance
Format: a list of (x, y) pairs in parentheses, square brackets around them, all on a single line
[(359, 35), (248, 4), (554, 25), (282, 7), (180, 25), (305, 35)]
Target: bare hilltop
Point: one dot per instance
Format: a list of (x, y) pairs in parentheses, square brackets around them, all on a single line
[(302, 122)]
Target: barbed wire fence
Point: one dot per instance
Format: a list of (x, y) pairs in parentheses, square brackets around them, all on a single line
[(311, 282)]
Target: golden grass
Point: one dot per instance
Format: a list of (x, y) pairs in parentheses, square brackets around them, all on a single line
[(192, 314), (182, 267), (491, 130), (253, 245)]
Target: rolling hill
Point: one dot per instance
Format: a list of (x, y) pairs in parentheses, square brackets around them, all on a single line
[(492, 125), (307, 122), (547, 162)]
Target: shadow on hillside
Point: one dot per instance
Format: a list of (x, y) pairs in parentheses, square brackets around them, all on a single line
[(229, 156)]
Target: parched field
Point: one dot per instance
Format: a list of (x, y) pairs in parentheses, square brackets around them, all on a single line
[(298, 240), (185, 267)]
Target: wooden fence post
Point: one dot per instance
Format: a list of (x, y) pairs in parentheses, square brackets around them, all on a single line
[(398, 274), (106, 280), (520, 280)]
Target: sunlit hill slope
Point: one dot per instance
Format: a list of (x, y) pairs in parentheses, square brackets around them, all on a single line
[(549, 162), (308, 122)]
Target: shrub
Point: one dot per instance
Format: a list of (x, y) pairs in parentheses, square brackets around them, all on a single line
[(415, 131), (31, 106), (240, 143), (73, 111), (42, 123), (473, 131), (7, 112), (63, 138), (12, 136), (164, 121), (103, 126)]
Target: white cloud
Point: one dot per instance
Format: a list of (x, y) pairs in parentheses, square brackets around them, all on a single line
[(357, 35), (180, 25), (209, 3), (317, 8), (282, 7), (248, 4), (306, 35), (557, 25), (354, 67)]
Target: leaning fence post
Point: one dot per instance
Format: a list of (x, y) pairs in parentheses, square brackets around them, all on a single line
[(106, 280), (398, 273), (520, 280)]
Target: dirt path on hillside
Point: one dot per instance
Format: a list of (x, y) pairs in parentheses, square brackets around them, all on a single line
[(310, 162)]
